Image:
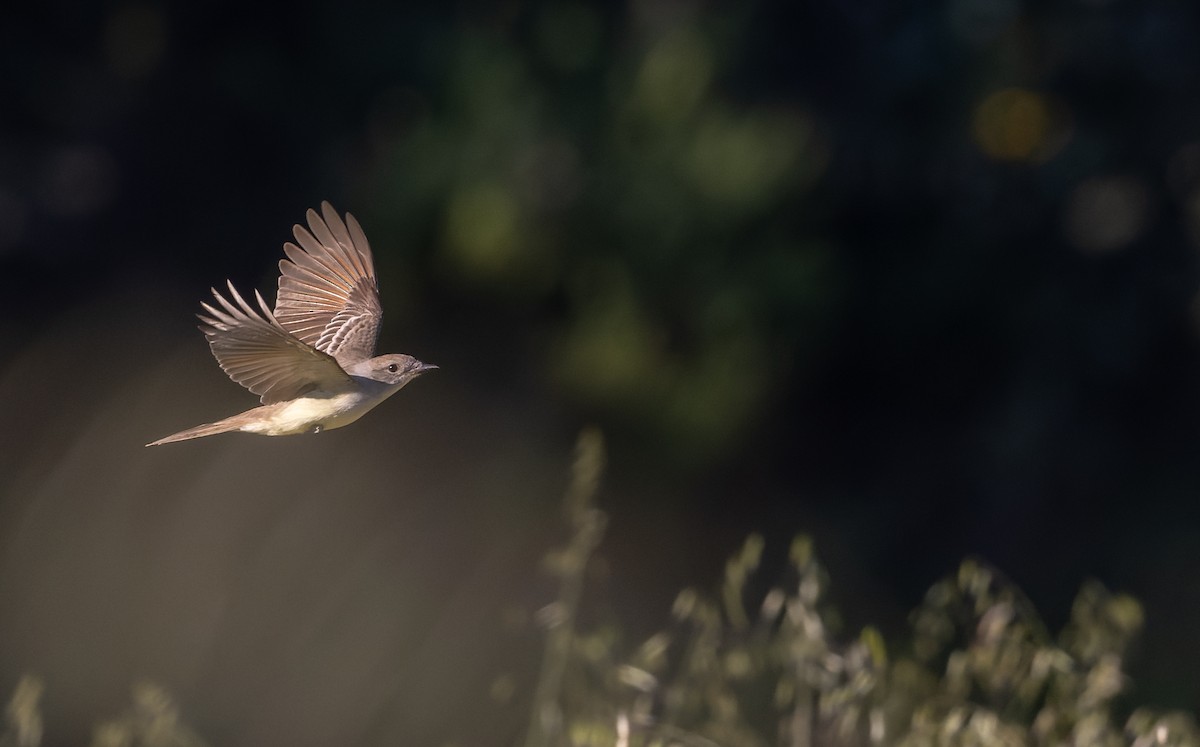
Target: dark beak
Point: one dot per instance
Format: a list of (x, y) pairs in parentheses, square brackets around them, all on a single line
[(425, 367)]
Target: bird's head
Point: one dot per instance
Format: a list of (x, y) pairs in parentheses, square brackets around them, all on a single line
[(395, 370)]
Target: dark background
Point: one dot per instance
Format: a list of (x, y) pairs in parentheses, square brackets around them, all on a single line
[(919, 281)]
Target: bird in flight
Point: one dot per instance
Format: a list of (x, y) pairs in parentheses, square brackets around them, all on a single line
[(311, 360)]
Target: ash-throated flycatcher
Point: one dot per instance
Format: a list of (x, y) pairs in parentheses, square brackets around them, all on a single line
[(310, 360)]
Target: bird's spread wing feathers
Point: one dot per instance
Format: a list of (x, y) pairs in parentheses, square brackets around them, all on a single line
[(258, 353), (328, 294)]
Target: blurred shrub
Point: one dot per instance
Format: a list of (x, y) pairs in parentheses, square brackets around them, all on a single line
[(152, 720), (590, 160), (744, 669), (982, 670), (740, 669)]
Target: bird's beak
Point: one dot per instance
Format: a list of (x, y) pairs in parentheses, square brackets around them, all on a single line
[(425, 367)]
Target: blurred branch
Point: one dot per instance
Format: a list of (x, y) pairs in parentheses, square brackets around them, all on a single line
[(23, 717), (984, 669), (152, 721), (570, 563)]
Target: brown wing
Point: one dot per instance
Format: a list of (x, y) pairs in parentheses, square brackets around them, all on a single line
[(328, 294), (258, 353)]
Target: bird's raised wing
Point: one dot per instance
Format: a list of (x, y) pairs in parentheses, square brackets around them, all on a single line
[(258, 353), (328, 295)]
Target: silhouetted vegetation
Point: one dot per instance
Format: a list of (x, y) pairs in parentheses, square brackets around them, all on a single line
[(742, 669)]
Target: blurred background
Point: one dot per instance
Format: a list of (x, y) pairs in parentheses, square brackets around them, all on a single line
[(919, 280)]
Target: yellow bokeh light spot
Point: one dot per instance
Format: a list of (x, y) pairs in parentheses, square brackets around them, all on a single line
[(1015, 124), (674, 76), (742, 160), (481, 229), (487, 242)]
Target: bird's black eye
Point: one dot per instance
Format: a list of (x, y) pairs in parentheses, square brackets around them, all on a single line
[(393, 368)]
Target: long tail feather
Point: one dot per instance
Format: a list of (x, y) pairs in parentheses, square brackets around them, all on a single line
[(208, 429)]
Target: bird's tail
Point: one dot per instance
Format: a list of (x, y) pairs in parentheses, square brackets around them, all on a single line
[(208, 429)]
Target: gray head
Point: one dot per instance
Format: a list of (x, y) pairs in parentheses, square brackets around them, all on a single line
[(394, 370)]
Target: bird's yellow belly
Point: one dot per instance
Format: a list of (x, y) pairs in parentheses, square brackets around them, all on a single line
[(306, 414)]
